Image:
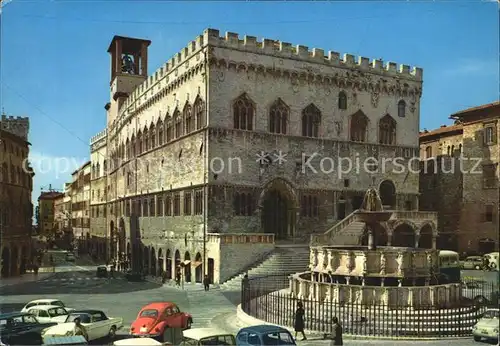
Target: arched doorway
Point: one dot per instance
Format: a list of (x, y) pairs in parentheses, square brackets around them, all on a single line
[(14, 270), (425, 239), (380, 236), (387, 192), (160, 262), (122, 239), (112, 240), (211, 269), (24, 259), (177, 260), (198, 272), (187, 267), (152, 262), (169, 264), (278, 205), (486, 245), (5, 262), (403, 236)]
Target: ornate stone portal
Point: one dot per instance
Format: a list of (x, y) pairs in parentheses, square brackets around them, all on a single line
[(391, 276)]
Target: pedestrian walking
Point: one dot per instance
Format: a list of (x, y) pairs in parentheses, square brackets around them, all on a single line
[(336, 333), (299, 320), (178, 277), (206, 282)]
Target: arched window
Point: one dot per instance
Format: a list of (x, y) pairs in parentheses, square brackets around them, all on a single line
[(178, 123), (93, 171), (199, 112), (278, 117), (187, 113), (244, 110), (139, 143), (243, 204), (98, 170), (127, 148), (132, 146), (152, 136), (359, 126), (452, 150), (460, 148), (342, 100), (387, 130), (311, 120), (448, 150), (145, 136), (401, 108), (159, 126), (428, 152), (170, 128)]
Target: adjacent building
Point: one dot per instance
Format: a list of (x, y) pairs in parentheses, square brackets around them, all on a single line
[(47, 200), (229, 147), (80, 206), (461, 180), (16, 208)]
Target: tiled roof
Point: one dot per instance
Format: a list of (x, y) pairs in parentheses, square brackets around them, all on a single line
[(474, 109), (50, 195), (441, 130)]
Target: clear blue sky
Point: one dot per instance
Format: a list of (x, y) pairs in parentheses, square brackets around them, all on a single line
[(55, 68)]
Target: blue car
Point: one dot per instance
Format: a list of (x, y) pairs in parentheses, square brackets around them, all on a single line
[(264, 335)]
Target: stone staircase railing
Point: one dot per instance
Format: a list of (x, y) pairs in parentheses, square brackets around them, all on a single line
[(317, 239)]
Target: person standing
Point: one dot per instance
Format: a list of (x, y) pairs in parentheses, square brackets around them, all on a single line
[(299, 320), (206, 282), (80, 329), (336, 333), (178, 277)]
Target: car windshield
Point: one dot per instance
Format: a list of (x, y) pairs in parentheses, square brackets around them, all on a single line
[(149, 313), (84, 318), (278, 338), (54, 312), (491, 314), (217, 340), (56, 303)]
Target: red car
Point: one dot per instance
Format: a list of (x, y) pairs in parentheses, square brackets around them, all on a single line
[(154, 320)]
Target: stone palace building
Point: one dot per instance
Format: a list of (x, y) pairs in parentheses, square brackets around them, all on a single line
[(227, 150)]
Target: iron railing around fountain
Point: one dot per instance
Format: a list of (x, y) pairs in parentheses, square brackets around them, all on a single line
[(268, 299)]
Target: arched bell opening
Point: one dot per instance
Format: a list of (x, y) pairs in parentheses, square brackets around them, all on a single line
[(403, 236)]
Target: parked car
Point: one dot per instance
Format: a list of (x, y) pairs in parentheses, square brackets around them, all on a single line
[(102, 272), (487, 326), (492, 258), (155, 319), (480, 291), (207, 336), (65, 340), (472, 262), (139, 342), (49, 313), (96, 322), (39, 302), (264, 334), (21, 328), (70, 257)]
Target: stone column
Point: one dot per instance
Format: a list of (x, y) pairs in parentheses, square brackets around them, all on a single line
[(165, 260), (417, 239), (434, 240)]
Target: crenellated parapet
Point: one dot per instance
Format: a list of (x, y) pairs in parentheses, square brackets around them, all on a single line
[(315, 55), (99, 140), (16, 125)]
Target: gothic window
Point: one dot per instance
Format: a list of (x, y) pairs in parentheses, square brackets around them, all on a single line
[(342, 100), (452, 150), (145, 136), (187, 113), (5, 173), (278, 117), (132, 147), (139, 143), (127, 147), (145, 208), (387, 130), (448, 151), (311, 120), (243, 204), (152, 207), (199, 113), (178, 124), (159, 206), (198, 202), (98, 170), (168, 205), (428, 152), (460, 148), (244, 110), (402, 108), (177, 204), (159, 126), (170, 130), (309, 206), (152, 134), (187, 203), (359, 126)]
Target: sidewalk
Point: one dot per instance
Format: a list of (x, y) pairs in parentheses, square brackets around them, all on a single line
[(25, 278)]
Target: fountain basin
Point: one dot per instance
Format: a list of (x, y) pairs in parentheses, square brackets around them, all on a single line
[(370, 217)]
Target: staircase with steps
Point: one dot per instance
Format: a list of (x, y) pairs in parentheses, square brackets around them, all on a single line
[(283, 260)]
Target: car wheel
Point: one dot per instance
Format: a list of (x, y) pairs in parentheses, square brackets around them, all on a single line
[(189, 323), (112, 332), (477, 338)]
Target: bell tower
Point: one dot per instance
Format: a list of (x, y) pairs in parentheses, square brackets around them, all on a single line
[(129, 68)]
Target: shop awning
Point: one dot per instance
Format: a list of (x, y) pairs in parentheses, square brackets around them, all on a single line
[(186, 262), (197, 264)]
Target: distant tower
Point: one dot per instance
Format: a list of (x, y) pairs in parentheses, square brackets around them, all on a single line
[(20, 126), (129, 68)]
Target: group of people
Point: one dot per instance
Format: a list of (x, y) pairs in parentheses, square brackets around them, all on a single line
[(299, 326), (178, 278)]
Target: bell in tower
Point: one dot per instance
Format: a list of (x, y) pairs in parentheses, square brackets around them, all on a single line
[(129, 56), (128, 65)]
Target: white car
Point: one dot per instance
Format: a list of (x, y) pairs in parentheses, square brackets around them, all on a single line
[(97, 324), (49, 313), (40, 302), (487, 326)]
